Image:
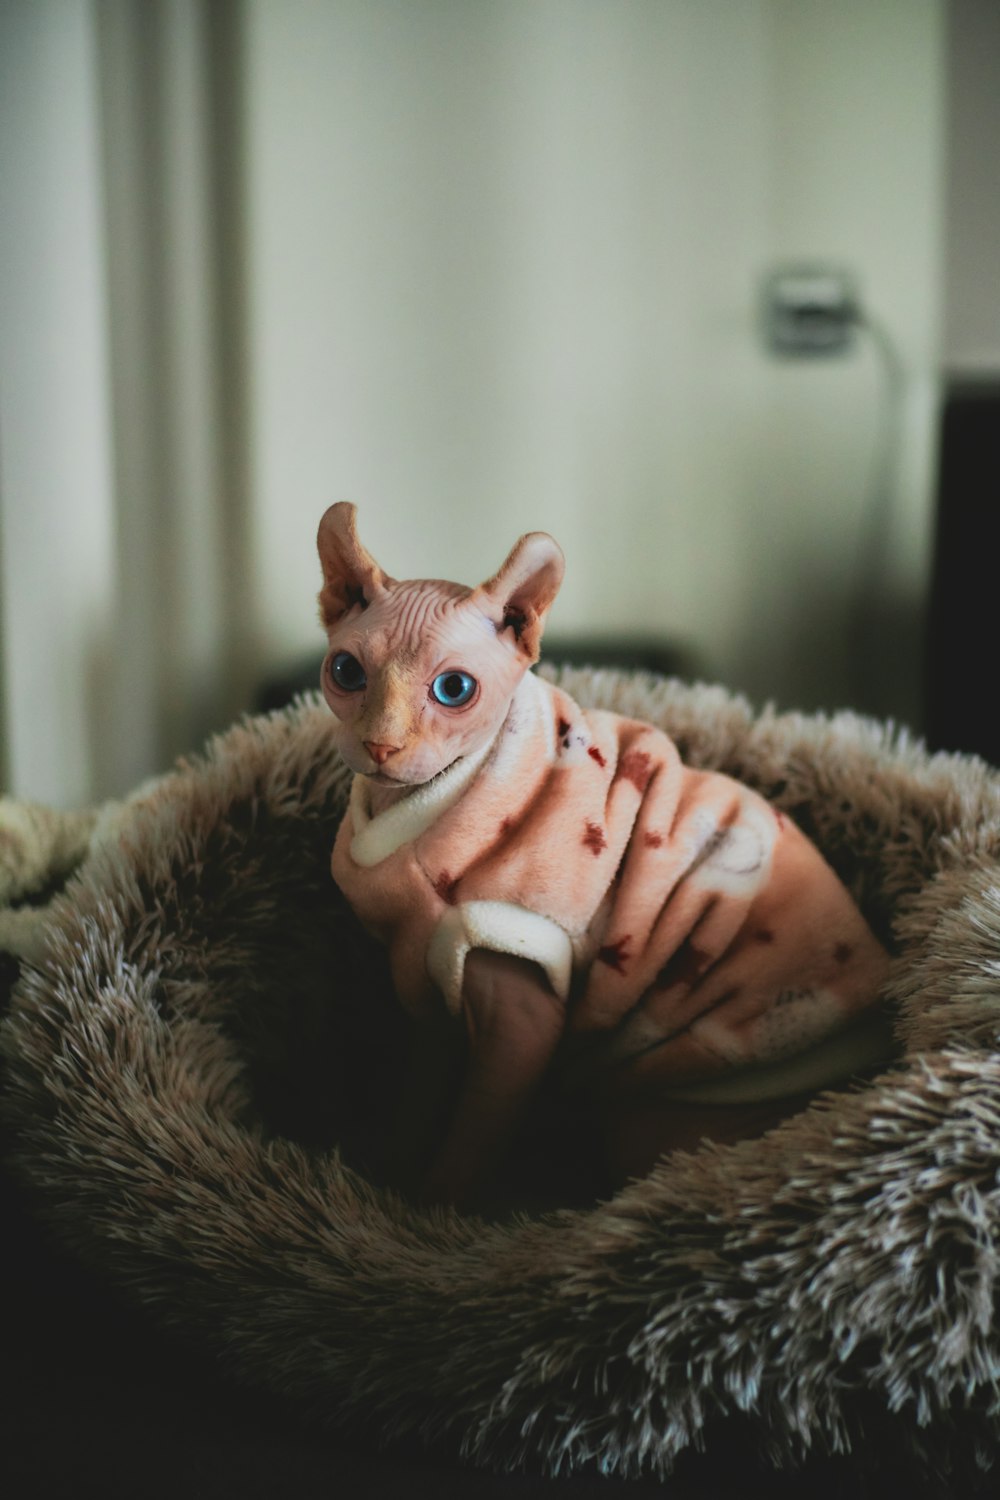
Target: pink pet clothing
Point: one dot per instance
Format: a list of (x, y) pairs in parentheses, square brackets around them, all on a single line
[(692, 928)]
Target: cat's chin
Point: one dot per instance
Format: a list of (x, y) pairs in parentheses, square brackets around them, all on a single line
[(379, 778)]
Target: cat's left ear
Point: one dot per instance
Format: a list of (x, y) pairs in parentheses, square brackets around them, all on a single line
[(524, 588)]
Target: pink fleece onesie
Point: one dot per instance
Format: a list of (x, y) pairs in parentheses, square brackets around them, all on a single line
[(693, 929)]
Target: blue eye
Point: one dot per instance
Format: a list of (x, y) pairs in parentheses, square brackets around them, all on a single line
[(347, 672), (453, 689)]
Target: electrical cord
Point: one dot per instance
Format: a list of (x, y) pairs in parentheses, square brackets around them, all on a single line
[(810, 312), (874, 535)]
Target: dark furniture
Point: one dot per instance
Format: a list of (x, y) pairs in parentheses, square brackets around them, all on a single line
[(961, 700)]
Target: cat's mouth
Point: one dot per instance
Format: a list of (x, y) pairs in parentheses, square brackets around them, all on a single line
[(382, 778)]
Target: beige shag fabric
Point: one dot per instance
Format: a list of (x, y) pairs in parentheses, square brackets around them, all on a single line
[(201, 1019)]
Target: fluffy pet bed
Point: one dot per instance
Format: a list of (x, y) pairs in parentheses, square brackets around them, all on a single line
[(198, 1020)]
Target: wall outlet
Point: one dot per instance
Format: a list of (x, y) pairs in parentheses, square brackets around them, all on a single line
[(809, 310)]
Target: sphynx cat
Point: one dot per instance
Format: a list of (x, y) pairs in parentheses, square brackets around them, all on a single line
[(560, 896)]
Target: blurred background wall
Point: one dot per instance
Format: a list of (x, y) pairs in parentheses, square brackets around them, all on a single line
[(481, 266)]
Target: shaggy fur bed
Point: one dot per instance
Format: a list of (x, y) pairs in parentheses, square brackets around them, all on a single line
[(200, 1019)]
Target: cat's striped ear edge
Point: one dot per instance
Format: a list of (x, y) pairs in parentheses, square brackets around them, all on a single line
[(351, 576)]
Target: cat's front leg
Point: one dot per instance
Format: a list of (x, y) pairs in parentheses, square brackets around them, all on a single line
[(514, 1022)]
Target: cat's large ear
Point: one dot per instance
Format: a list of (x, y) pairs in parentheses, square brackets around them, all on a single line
[(525, 587), (350, 573)]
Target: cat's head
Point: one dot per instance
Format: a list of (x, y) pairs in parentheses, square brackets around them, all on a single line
[(420, 673)]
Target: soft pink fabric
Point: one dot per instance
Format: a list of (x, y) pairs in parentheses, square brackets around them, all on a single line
[(707, 931)]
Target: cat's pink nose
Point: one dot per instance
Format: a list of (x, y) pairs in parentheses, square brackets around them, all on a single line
[(379, 753)]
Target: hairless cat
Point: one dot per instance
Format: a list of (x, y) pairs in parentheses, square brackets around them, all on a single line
[(558, 888)]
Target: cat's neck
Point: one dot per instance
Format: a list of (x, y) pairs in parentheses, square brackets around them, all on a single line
[(381, 797)]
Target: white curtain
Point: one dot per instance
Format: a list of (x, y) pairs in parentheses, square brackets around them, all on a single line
[(126, 610)]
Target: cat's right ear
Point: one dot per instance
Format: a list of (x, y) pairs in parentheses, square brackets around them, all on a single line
[(350, 573), (524, 588)]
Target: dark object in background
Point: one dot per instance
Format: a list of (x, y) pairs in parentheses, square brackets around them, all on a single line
[(962, 709), (629, 653)]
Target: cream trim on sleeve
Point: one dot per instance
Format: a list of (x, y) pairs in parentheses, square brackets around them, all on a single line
[(502, 928)]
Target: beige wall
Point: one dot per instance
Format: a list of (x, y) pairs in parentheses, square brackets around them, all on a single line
[(516, 294), (504, 272)]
